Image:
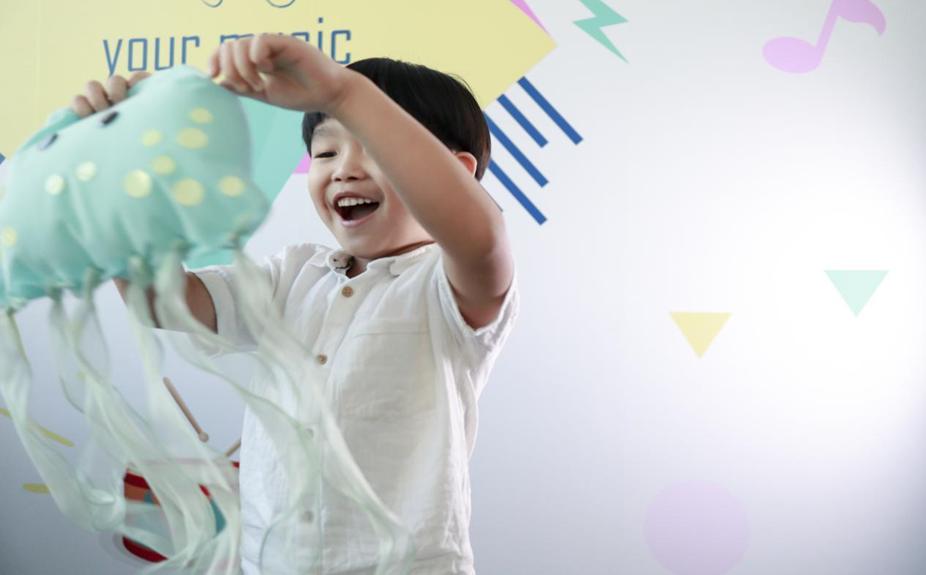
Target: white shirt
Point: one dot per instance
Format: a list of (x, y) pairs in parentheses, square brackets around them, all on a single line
[(404, 372)]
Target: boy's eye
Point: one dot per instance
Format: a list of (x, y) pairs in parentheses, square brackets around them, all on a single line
[(323, 155)]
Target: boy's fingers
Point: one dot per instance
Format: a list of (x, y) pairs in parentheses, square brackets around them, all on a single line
[(214, 62), (81, 106), (97, 96), (116, 88), (137, 77), (241, 52), (261, 51), (229, 70)]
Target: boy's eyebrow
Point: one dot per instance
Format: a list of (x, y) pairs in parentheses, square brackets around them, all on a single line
[(322, 131)]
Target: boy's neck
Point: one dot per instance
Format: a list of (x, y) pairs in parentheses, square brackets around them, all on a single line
[(359, 265)]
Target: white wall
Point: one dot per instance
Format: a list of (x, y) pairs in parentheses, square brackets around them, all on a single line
[(707, 181)]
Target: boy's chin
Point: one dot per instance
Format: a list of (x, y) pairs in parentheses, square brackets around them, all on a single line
[(368, 252), (356, 247)]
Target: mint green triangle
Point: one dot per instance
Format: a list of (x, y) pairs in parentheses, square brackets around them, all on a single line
[(276, 150), (856, 286)]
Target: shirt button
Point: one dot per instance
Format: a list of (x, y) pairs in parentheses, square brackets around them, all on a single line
[(321, 358), (347, 291)]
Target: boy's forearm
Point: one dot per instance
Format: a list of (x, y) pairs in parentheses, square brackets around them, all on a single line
[(197, 298), (435, 186), (122, 285)]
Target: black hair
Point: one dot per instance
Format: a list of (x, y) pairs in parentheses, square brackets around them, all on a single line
[(442, 103)]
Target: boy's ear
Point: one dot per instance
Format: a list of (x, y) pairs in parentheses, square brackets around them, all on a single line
[(468, 160)]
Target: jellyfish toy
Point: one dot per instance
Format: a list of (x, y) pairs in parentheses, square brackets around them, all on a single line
[(132, 192)]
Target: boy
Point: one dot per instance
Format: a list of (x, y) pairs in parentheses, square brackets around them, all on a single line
[(405, 321)]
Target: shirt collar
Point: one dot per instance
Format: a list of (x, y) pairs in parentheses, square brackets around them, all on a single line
[(339, 261)]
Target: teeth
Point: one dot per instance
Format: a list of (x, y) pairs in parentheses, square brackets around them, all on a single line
[(347, 202)]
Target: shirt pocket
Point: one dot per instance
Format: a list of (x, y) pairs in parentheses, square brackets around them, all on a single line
[(385, 371)]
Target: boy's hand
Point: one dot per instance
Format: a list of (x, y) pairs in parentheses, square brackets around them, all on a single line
[(280, 70), (97, 98)]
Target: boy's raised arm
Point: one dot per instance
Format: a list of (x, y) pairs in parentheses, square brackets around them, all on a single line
[(438, 190)]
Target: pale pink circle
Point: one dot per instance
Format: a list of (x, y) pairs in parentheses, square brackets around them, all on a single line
[(697, 528)]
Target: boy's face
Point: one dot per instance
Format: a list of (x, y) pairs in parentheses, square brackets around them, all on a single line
[(354, 198)]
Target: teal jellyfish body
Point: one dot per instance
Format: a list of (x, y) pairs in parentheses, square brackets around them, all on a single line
[(168, 167), (133, 191)]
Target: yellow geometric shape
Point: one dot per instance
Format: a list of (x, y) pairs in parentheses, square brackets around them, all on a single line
[(151, 138), (8, 237), (54, 185), (201, 116), (231, 186), (192, 138), (36, 487), (47, 433), (137, 183), (86, 171), (188, 192), (509, 43), (700, 328), (163, 165)]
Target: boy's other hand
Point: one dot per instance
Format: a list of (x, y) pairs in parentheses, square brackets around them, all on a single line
[(98, 97), (280, 70)]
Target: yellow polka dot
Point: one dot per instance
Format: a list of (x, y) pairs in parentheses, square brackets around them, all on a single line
[(231, 186), (201, 116), (192, 138), (188, 192), (86, 171), (163, 165), (151, 138), (8, 237), (137, 184), (40, 488), (54, 185)]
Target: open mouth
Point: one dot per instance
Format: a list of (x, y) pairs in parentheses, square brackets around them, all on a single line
[(353, 210)]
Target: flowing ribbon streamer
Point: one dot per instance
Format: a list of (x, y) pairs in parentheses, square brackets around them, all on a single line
[(156, 198)]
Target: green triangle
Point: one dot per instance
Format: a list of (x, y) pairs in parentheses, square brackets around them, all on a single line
[(856, 286)]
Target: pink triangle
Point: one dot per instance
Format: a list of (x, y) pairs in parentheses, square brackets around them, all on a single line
[(522, 4), (303, 166)]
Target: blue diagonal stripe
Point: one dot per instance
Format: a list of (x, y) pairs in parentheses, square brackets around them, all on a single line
[(550, 110), (520, 119), (516, 192), (2, 157), (516, 152)]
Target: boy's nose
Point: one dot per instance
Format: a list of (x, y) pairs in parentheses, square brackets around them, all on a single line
[(350, 167)]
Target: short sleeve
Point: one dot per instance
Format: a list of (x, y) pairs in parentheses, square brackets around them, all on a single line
[(486, 341), (219, 282), (278, 271)]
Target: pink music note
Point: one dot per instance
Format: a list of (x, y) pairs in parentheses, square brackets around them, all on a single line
[(800, 56)]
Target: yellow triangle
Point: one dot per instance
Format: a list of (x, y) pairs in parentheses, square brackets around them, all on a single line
[(123, 37), (700, 328)]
